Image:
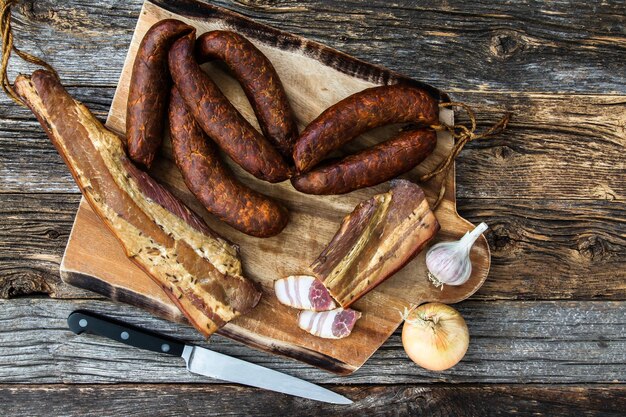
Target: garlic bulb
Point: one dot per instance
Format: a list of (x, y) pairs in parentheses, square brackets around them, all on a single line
[(449, 262)]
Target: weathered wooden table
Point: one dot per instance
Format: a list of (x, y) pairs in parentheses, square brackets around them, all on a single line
[(548, 328)]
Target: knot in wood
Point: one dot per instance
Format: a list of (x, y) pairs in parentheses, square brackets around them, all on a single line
[(23, 284), (602, 342), (505, 44), (500, 239), (503, 152), (52, 234), (593, 247)]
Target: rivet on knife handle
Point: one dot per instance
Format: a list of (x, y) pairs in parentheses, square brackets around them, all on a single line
[(82, 321)]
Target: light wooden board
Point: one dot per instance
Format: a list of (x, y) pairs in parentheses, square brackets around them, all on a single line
[(315, 77)]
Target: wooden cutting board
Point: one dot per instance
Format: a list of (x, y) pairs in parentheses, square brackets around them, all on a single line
[(314, 77)]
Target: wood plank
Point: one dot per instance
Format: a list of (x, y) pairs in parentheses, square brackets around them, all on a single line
[(557, 147), (584, 242), (28, 161), (534, 152), (572, 46), (34, 229), (54, 21), (397, 400), (511, 342), (568, 249)]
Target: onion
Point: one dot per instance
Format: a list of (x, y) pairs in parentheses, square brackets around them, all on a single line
[(435, 336)]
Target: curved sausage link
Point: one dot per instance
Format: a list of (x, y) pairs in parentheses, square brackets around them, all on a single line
[(259, 81), (149, 90), (370, 167), (358, 113), (220, 120), (212, 182)]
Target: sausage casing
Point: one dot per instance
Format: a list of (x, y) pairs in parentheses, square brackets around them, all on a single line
[(220, 120), (371, 166), (259, 81), (213, 184), (358, 113), (149, 89)]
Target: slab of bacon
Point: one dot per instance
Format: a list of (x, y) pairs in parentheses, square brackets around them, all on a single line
[(333, 324), (376, 240), (199, 270), (303, 292)]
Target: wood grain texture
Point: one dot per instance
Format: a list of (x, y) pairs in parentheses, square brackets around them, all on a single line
[(392, 400), (511, 342), (586, 237), (559, 146), (33, 233), (28, 160), (569, 249), (564, 46)]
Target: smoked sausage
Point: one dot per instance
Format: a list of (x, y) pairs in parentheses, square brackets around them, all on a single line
[(259, 81), (358, 113), (220, 120), (372, 166), (212, 182), (149, 89)]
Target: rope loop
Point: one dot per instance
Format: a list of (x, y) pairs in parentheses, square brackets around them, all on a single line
[(462, 135), (8, 47)]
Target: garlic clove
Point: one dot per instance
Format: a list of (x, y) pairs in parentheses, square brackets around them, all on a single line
[(449, 262)]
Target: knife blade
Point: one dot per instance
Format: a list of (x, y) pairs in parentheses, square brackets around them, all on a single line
[(200, 360)]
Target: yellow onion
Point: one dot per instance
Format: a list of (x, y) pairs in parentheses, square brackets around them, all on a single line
[(435, 336)]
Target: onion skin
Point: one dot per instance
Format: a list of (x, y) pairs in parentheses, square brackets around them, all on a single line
[(435, 336)]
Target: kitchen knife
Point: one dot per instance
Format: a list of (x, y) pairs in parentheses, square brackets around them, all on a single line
[(200, 360)]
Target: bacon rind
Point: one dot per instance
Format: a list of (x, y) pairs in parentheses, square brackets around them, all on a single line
[(376, 240), (200, 271)]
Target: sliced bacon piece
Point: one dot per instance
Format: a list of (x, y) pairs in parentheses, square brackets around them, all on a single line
[(304, 292), (333, 324)]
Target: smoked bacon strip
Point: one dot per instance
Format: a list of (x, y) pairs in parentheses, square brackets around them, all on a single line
[(199, 270), (376, 240)]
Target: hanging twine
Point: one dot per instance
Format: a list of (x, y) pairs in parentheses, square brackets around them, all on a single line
[(462, 135), (8, 47)]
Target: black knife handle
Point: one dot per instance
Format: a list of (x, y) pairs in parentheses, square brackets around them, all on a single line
[(82, 321)]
